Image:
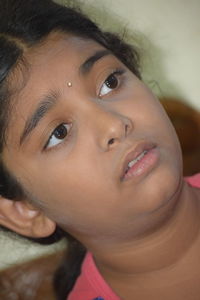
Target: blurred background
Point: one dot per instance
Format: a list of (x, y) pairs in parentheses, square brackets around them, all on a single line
[(168, 36)]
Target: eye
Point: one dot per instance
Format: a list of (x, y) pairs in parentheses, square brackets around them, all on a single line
[(111, 83), (58, 135)]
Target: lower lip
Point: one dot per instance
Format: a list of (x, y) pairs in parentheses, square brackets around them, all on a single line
[(144, 165)]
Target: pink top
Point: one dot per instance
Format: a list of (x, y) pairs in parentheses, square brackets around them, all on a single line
[(194, 180), (90, 285)]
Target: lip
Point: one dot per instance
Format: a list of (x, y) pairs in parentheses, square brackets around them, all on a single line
[(139, 149)]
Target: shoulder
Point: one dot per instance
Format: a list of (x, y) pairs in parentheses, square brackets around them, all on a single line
[(90, 285)]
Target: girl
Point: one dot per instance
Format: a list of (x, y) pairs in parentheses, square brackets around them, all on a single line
[(87, 150)]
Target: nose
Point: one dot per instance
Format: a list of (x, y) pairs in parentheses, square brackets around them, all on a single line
[(113, 128)]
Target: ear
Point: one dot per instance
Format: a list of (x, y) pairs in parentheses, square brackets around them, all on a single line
[(25, 219)]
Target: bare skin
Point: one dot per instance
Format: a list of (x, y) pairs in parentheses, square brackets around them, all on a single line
[(164, 265), (143, 231)]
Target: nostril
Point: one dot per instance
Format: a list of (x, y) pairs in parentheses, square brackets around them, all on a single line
[(126, 128), (111, 141)]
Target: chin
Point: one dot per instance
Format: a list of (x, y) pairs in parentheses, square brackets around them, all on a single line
[(164, 186)]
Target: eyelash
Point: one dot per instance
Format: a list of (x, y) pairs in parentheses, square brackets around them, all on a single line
[(116, 73), (66, 137)]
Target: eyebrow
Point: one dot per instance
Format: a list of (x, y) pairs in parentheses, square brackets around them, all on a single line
[(49, 101), (89, 63)]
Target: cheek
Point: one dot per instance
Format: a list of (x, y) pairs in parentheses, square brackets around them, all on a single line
[(73, 195), (151, 118), (83, 207)]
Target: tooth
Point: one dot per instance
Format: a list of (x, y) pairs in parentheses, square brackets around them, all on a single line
[(131, 163)]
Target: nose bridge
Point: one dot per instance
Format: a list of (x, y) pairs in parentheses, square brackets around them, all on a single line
[(110, 127)]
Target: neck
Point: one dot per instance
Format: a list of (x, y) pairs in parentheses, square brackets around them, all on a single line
[(158, 250)]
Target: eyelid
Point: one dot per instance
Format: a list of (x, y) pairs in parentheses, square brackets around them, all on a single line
[(118, 72), (46, 148)]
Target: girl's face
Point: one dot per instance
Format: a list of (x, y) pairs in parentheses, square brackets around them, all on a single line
[(78, 120)]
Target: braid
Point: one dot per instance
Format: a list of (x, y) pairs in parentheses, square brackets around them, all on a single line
[(66, 275)]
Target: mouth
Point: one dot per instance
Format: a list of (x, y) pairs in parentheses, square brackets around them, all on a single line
[(139, 161)]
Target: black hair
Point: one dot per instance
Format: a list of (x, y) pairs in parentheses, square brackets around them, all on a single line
[(24, 24)]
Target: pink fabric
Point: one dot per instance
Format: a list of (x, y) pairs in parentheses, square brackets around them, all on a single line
[(194, 180), (90, 285)]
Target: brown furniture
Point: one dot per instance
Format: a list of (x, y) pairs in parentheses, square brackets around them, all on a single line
[(186, 121), (31, 280)]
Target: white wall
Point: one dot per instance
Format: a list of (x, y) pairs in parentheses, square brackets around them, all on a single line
[(14, 250), (170, 36)]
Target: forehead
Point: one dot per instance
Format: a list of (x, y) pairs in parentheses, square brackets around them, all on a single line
[(57, 56), (45, 66), (56, 47), (57, 43), (59, 48)]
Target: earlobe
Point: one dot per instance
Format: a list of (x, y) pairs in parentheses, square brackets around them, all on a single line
[(25, 219)]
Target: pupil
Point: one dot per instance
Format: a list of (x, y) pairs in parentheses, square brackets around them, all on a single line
[(60, 132), (112, 82)]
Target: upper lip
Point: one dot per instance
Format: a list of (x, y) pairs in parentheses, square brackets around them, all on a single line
[(137, 150)]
